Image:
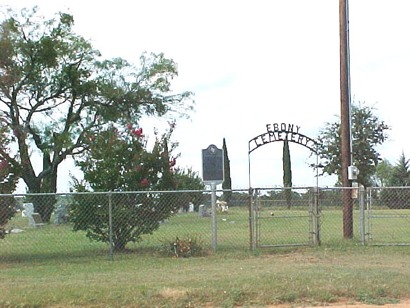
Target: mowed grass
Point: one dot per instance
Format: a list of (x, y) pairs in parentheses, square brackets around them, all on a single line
[(53, 266)]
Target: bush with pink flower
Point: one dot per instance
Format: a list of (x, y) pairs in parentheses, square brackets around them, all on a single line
[(119, 160)]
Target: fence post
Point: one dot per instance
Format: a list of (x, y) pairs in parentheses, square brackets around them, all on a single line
[(316, 217), (110, 226), (362, 229), (213, 214), (252, 193)]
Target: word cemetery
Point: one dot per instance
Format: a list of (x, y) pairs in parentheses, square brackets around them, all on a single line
[(282, 132)]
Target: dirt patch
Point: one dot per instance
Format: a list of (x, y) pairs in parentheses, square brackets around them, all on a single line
[(402, 304), (172, 293)]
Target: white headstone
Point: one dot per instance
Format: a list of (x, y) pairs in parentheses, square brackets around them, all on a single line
[(28, 209)]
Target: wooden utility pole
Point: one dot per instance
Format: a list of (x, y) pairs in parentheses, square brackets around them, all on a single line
[(345, 118)]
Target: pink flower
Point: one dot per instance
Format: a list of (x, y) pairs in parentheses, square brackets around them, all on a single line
[(144, 182), (137, 132), (3, 164), (129, 126)]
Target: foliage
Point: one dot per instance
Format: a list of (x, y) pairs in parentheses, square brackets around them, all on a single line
[(368, 131), (56, 93), (133, 214), (280, 196), (287, 172), (119, 161), (189, 246), (383, 174), (399, 176), (227, 183), (8, 180), (190, 187), (239, 198)]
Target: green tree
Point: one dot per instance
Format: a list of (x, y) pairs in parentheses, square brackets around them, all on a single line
[(56, 92), (227, 183), (119, 161), (8, 180), (190, 186), (368, 131), (401, 174), (393, 196), (383, 175), (287, 173)]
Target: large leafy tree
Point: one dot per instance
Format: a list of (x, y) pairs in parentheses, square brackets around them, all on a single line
[(56, 91), (368, 131)]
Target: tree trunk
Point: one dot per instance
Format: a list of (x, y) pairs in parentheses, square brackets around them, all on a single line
[(43, 203), (49, 185)]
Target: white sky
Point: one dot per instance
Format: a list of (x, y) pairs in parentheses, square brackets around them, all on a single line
[(251, 63)]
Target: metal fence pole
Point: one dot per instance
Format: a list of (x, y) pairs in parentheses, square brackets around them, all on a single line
[(213, 214), (362, 231), (251, 209), (110, 226), (316, 217)]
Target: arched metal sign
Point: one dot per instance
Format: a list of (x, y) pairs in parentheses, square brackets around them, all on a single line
[(281, 132)]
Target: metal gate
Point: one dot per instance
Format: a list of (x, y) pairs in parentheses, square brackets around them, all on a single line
[(285, 217), (386, 216)]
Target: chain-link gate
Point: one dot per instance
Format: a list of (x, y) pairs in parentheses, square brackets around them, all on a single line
[(387, 216), (284, 217), (270, 222)]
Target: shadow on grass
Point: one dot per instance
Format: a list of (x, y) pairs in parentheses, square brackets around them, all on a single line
[(54, 257)]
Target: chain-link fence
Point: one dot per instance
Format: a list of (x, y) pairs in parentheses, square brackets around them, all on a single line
[(332, 213), (102, 224), (387, 216), (310, 216)]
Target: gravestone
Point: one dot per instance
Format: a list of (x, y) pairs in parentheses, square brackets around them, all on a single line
[(60, 214), (28, 209), (202, 212), (34, 219)]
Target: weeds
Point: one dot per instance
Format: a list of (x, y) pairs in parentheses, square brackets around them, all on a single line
[(184, 247)]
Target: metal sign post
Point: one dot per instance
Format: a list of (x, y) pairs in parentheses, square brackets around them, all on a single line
[(213, 174)]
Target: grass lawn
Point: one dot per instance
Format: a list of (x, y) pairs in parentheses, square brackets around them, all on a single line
[(53, 266)]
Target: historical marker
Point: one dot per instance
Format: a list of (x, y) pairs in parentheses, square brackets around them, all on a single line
[(212, 165)]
